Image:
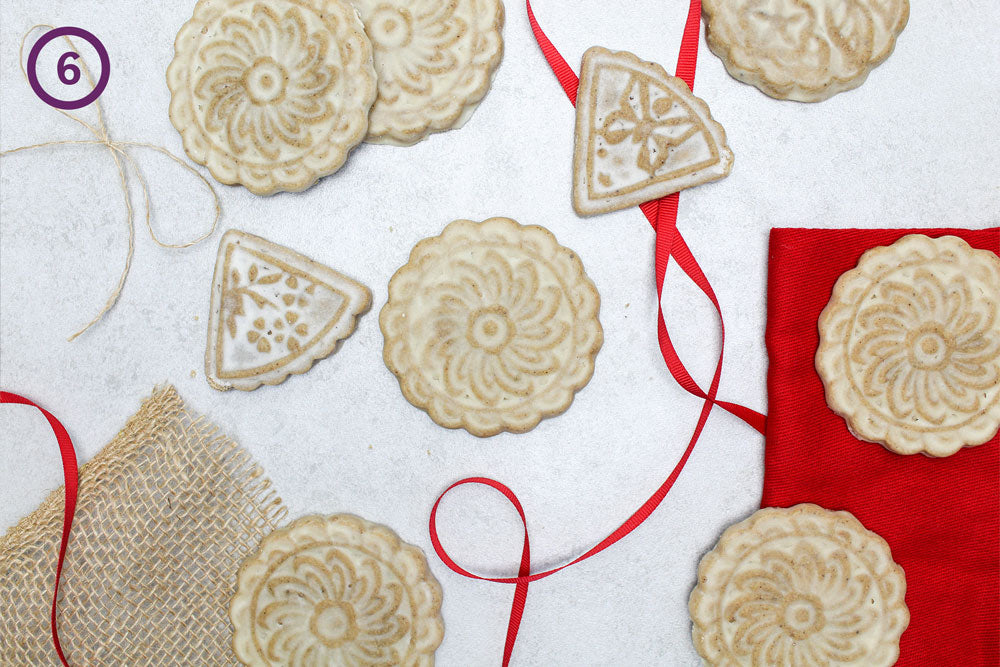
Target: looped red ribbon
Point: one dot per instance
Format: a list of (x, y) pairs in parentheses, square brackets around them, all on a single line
[(662, 215), (70, 474)]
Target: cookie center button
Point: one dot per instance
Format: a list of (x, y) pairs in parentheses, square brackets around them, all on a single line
[(803, 616), (265, 81), (929, 350), (333, 623), (490, 329), (391, 28)]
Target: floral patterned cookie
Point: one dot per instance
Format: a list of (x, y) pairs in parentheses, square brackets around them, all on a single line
[(804, 50), (435, 61), (799, 587), (271, 94), (640, 134), (336, 590), (274, 313), (910, 346), (491, 326)]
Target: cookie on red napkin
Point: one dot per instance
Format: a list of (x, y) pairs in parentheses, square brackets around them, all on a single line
[(939, 516)]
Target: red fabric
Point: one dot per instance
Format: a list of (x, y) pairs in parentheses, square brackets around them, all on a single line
[(939, 516), (70, 475)]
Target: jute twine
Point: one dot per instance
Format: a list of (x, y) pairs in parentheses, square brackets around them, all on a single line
[(167, 512), (120, 155)]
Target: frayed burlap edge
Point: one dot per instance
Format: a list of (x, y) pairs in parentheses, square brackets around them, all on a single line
[(28, 552)]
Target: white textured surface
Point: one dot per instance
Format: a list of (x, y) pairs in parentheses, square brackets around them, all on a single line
[(914, 146)]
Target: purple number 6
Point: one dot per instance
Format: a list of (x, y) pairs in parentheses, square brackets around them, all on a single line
[(62, 68), (68, 73)]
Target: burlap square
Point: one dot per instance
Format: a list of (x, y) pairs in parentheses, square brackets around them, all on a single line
[(167, 511)]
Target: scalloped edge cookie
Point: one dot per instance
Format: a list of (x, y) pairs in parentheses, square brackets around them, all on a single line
[(445, 410), (743, 539), (378, 541), (292, 175), (841, 394), (788, 89), (406, 128)]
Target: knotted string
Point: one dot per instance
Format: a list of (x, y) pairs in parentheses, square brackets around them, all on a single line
[(121, 157)]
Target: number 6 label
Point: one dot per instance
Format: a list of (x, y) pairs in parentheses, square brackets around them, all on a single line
[(62, 68), (67, 68)]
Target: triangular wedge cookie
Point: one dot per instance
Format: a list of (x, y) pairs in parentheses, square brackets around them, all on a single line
[(274, 313), (640, 134)]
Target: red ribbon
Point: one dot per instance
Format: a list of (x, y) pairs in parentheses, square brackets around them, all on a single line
[(662, 215), (70, 473)]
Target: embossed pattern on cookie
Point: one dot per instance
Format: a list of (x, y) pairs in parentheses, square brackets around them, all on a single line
[(336, 590), (435, 61), (804, 50), (799, 587), (909, 348), (640, 135), (274, 313), (271, 94), (491, 326)]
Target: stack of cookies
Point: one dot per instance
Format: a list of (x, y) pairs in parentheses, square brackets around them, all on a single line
[(274, 94)]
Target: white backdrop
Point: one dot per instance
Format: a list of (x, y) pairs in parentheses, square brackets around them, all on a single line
[(914, 146)]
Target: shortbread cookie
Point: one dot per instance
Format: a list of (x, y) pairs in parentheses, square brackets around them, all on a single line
[(799, 587), (491, 326), (804, 50), (640, 134), (336, 590), (274, 312), (435, 61), (909, 347), (271, 94)]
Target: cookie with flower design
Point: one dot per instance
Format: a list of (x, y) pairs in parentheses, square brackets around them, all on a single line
[(640, 134), (803, 50), (799, 587), (435, 61), (909, 349), (271, 94), (491, 326), (336, 590), (274, 313)]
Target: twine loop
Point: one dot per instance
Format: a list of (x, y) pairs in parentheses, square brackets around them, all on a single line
[(121, 156)]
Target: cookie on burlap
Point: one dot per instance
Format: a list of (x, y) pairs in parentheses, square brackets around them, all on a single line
[(804, 50), (491, 326), (435, 61), (799, 587), (336, 590), (640, 134), (909, 348), (271, 94), (274, 312)]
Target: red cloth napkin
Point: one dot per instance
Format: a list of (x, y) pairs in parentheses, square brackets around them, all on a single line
[(941, 517)]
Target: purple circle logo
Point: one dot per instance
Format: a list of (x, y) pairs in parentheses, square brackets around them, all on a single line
[(67, 69)]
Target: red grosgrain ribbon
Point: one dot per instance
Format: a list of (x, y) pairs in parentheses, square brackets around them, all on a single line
[(71, 477), (662, 215)]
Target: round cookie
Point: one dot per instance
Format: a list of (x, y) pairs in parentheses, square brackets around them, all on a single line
[(435, 61), (909, 349), (803, 50), (336, 590), (799, 587), (271, 94), (491, 326)]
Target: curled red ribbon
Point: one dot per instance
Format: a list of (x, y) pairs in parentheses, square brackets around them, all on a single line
[(70, 473), (662, 215)]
